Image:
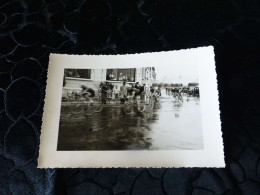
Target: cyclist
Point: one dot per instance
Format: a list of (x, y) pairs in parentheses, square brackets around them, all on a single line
[(177, 93), (154, 94), (138, 89), (87, 93), (159, 90)]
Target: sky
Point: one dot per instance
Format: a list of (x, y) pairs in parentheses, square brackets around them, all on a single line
[(177, 73)]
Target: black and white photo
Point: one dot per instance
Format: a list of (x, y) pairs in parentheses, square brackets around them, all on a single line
[(135, 110), (143, 108)]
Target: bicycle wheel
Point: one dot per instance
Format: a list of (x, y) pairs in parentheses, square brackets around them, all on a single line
[(141, 107), (156, 103), (179, 99), (128, 109), (150, 102), (98, 107), (87, 110), (77, 109)]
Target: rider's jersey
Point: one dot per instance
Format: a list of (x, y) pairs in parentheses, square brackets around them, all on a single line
[(88, 92)]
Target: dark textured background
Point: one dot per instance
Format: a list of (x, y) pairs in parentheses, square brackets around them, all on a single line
[(31, 29)]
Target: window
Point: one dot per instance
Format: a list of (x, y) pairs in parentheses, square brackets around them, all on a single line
[(78, 73), (121, 74)]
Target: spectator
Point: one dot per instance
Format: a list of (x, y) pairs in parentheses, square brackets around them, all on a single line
[(103, 93), (116, 91), (100, 92), (120, 76), (109, 90), (123, 93)]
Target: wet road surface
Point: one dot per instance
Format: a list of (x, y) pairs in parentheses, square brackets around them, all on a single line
[(170, 126)]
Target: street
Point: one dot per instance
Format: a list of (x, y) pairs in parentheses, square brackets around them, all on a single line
[(171, 126)]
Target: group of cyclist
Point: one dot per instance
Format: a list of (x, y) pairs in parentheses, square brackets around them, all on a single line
[(109, 91), (176, 93)]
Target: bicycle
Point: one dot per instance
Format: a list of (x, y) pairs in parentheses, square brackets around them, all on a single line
[(134, 103), (177, 97), (150, 100), (87, 107), (156, 99)]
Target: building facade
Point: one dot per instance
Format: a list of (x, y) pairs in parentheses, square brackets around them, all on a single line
[(92, 78)]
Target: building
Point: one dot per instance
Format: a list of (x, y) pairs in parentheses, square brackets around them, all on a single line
[(192, 86), (92, 78)]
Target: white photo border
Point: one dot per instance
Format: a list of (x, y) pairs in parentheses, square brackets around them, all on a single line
[(211, 156)]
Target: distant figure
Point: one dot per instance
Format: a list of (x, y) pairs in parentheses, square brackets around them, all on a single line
[(109, 90), (177, 93), (154, 93), (100, 92), (143, 94), (159, 90), (123, 93), (111, 76), (103, 93), (120, 76), (116, 91)]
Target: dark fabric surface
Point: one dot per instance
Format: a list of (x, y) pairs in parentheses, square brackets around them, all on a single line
[(31, 29)]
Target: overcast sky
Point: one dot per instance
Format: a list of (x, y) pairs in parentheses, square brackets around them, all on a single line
[(184, 72)]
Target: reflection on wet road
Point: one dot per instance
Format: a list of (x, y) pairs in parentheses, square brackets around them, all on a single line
[(171, 126)]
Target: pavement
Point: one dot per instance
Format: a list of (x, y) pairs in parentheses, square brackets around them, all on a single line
[(170, 126)]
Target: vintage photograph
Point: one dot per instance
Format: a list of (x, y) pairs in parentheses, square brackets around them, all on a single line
[(137, 110), (142, 108)]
